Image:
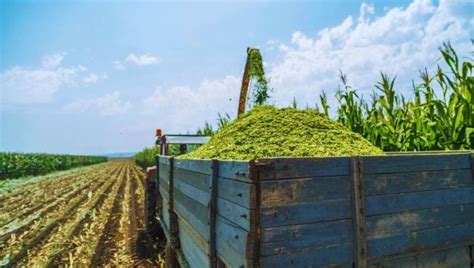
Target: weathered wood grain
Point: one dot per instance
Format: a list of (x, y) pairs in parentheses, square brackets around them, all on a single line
[(202, 228), (384, 204), (410, 163), (286, 168), (234, 170), (193, 246), (293, 238), (240, 193), (305, 213), (399, 223), (291, 191), (234, 213), (192, 206), (199, 166), (394, 183), (336, 255), (231, 236), (195, 194), (195, 179), (420, 240)]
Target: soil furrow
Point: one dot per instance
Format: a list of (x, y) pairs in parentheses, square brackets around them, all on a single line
[(105, 248)]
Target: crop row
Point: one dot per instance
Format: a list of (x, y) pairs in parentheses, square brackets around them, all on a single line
[(16, 165)]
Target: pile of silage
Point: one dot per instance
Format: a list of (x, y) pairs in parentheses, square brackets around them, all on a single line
[(267, 131)]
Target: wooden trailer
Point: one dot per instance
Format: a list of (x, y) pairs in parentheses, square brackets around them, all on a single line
[(409, 210)]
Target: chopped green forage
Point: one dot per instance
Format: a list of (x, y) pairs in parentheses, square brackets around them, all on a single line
[(267, 131)]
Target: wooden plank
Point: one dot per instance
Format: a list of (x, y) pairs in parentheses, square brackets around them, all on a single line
[(358, 213), (456, 257), (238, 192), (229, 256), (195, 179), (200, 166), (305, 213), (232, 234), (213, 214), (410, 163), (394, 183), (420, 240), (163, 172), (286, 239), (201, 228), (193, 247), (335, 255), (384, 204), (192, 206), (280, 192), (164, 185), (398, 223), (200, 196), (235, 213), (287, 168), (234, 170), (164, 160)]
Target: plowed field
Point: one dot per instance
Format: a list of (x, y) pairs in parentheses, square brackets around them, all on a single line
[(91, 217)]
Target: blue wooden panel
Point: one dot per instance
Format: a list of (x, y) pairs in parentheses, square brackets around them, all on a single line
[(164, 172), (197, 224), (409, 163), (237, 214), (199, 196), (237, 192), (394, 183), (456, 257), (166, 216), (451, 257), (420, 240), (287, 168), (305, 213), (336, 255), (193, 247), (285, 239), (231, 258), (398, 223), (198, 180), (164, 160), (200, 166), (164, 185), (231, 242), (199, 211), (315, 189), (235, 170), (418, 200)]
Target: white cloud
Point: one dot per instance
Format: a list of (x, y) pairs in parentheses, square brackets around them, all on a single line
[(118, 65), (26, 85), (110, 104), (183, 108), (94, 78), (142, 60), (52, 61), (400, 42)]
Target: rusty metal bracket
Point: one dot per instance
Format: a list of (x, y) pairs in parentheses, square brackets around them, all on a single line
[(358, 212), (213, 214)]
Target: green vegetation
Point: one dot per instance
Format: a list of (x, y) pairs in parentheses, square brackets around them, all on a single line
[(147, 157), (427, 122), (16, 165), (261, 91), (266, 131)]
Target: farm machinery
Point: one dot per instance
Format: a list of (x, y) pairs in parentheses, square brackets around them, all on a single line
[(392, 210)]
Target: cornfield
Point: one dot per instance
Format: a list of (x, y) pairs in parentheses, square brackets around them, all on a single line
[(16, 165), (426, 122)]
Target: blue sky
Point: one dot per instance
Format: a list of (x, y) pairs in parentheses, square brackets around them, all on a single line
[(99, 76)]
